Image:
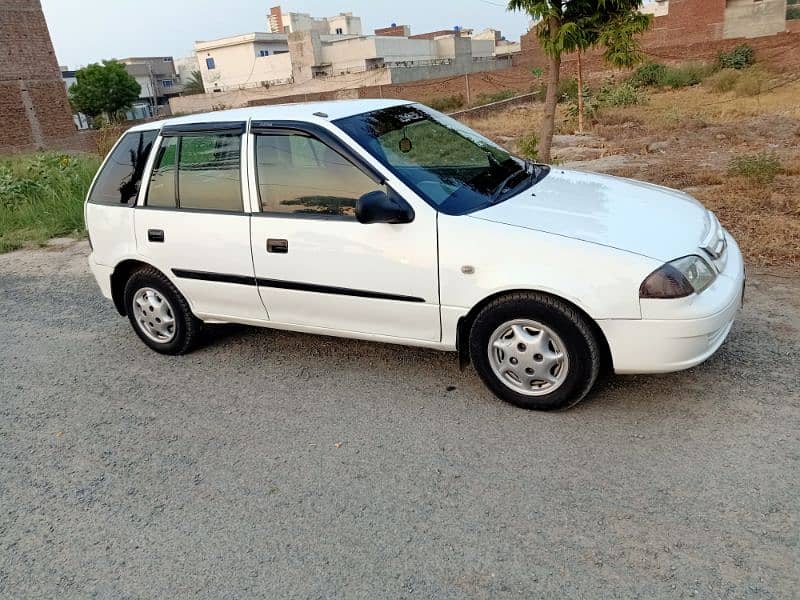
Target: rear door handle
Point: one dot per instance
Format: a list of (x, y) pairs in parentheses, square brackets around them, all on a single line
[(278, 246), (155, 235)]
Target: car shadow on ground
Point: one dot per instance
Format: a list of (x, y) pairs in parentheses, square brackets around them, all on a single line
[(440, 370)]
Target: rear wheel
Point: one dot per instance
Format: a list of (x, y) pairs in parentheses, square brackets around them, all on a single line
[(159, 313), (535, 351)]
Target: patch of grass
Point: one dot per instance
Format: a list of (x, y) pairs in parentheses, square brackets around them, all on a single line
[(620, 94), (751, 82), (761, 168), (740, 57), (687, 74), (41, 196), (649, 75), (529, 146), (446, 103), (723, 81), (489, 98)]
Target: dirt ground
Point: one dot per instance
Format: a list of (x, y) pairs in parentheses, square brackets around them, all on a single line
[(282, 465), (686, 139)]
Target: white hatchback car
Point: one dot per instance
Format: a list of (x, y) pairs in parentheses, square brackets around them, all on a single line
[(388, 221)]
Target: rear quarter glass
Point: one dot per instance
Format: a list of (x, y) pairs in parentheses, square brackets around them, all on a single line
[(121, 175)]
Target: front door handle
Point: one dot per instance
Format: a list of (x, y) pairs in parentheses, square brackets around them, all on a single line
[(155, 235), (278, 246)]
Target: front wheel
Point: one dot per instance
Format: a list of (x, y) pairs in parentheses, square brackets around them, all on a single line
[(159, 313), (535, 351)]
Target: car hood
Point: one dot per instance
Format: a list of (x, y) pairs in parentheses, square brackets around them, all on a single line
[(638, 217)]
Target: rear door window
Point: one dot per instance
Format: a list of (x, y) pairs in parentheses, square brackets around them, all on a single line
[(119, 180), (199, 172)]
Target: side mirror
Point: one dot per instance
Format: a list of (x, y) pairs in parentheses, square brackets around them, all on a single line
[(383, 207)]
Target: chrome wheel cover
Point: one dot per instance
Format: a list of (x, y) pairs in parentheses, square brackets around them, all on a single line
[(528, 357), (153, 315)]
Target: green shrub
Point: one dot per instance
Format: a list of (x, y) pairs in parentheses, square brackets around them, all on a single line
[(723, 81), (591, 106), (760, 168), (687, 74), (792, 13), (620, 94), (649, 75), (529, 146), (751, 82), (41, 196), (740, 57), (489, 98), (567, 89), (446, 103)]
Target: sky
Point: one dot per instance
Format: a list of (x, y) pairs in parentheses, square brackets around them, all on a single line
[(88, 31)]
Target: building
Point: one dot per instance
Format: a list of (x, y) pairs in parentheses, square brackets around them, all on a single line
[(158, 79), (186, 67), (693, 21), (300, 48), (248, 60), (34, 110), (341, 24)]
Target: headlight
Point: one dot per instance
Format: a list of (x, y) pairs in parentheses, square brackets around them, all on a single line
[(678, 279)]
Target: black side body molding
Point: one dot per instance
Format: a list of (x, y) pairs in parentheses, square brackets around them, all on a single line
[(290, 285)]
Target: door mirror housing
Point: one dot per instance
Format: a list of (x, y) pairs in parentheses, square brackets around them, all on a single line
[(383, 207)]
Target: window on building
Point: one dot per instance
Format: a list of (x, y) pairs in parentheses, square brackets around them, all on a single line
[(167, 83), (263, 52), (300, 175), (118, 182), (210, 64), (167, 59), (198, 172), (339, 31)]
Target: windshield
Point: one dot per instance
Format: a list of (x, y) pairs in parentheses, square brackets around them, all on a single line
[(454, 168)]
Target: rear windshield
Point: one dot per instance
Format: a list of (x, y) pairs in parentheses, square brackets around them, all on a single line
[(119, 180)]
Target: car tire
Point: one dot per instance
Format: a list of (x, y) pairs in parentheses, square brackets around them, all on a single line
[(159, 313), (535, 351)]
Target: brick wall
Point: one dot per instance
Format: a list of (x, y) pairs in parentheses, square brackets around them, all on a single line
[(34, 110), (396, 31), (688, 22)]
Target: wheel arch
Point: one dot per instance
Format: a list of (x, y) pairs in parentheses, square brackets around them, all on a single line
[(465, 326), (119, 278)]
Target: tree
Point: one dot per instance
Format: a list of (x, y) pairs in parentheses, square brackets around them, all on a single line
[(616, 28), (104, 89), (566, 26), (194, 84)]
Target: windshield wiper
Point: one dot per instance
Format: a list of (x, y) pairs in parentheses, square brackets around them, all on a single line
[(498, 194)]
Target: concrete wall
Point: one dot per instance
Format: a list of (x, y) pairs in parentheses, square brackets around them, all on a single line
[(34, 111), (754, 18), (347, 23)]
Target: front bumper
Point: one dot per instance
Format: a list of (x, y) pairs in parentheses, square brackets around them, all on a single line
[(678, 334)]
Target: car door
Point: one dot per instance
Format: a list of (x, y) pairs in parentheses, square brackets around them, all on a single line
[(315, 264), (192, 225)]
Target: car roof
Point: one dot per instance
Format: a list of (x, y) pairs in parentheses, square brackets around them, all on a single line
[(303, 111)]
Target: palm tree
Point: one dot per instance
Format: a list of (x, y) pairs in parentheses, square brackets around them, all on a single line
[(194, 84), (566, 26)]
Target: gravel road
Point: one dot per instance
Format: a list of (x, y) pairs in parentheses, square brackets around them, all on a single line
[(281, 465)]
